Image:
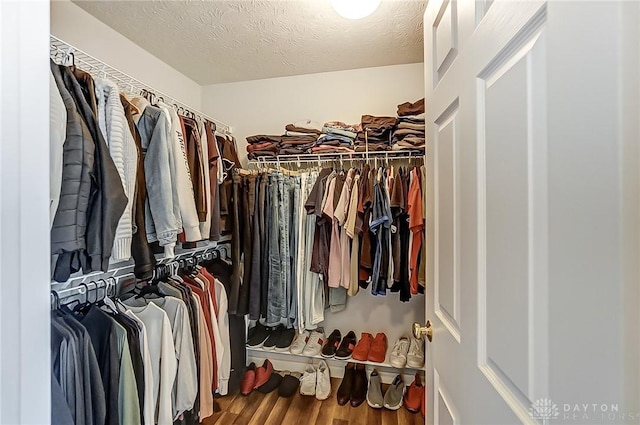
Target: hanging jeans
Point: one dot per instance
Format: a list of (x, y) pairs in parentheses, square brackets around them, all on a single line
[(275, 296), (296, 211)]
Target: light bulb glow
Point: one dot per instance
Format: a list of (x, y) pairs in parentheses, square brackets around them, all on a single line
[(355, 9)]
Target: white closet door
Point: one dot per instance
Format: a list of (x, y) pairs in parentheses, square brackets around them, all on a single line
[(24, 213), (532, 127)]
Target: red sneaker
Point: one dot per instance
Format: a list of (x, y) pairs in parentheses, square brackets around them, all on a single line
[(378, 350), (361, 352), (415, 395), (248, 379), (263, 373)]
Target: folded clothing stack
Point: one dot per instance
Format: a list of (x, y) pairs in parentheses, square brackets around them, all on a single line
[(409, 133), (299, 138), (375, 134), (263, 146), (337, 137)]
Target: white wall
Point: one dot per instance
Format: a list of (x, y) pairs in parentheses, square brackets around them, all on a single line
[(75, 26), (266, 106)]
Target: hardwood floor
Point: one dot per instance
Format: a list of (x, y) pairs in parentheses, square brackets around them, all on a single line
[(269, 409)]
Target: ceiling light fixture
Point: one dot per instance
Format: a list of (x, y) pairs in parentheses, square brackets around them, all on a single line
[(355, 9)]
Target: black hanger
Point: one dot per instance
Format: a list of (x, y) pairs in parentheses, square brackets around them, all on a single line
[(82, 307), (56, 300)]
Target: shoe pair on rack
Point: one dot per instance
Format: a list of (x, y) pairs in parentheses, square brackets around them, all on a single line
[(407, 352), (392, 399), (308, 343), (370, 348), (397, 393), (338, 347), (316, 381), (276, 338), (265, 380), (353, 387)]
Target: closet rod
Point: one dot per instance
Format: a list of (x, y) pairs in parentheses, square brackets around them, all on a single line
[(343, 156), (109, 285), (125, 82), (125, 270)]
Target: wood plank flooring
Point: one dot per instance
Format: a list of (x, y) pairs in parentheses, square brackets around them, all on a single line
[(269, 409)]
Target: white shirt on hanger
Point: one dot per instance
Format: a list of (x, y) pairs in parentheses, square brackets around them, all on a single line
[(223, 325), (163, 360)]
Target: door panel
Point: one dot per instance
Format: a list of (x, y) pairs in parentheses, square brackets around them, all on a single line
[(512, 216), (522, 122), (445, 36), (447, 224)]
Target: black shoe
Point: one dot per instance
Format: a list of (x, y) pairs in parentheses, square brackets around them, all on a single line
[(272, 339), (359, 388), (274, 382), (289, 385), (285, 339), (344, 390), (346, 346), (258, 335), (331, 346)]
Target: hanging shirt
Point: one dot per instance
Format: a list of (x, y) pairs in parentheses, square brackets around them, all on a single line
[(128, 406), (416, 226), (186, 382), (149, 402), (206, 362), (162, 356)]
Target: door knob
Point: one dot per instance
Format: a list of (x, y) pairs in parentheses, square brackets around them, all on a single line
[(420, 331)]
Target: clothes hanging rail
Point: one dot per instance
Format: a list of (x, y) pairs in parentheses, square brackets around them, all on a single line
[(332, 157), (62, 52), (119, 275)]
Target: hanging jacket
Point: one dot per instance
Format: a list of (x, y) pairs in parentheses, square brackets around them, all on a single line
[(143, 258), (182, 180), (109, 201), (161, 223), (205, 226), (70, 223), (122, 148), (196, 161), (57, 136)]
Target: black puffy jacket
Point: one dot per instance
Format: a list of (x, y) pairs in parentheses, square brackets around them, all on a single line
[(68, 233)]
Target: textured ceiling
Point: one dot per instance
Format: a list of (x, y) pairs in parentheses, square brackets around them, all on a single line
[(223, 41)]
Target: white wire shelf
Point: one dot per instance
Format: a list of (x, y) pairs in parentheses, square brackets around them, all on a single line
[(319, 158), (62, 52)]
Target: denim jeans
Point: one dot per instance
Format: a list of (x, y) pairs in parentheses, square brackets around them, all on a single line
[(284, 211), (296, 210), (265, 234), (276, 283)]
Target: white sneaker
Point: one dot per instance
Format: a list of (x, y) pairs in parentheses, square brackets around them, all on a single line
[(415, 357), (398, 357), (323, 381), (308, 381), (315, 343), (299, 343)]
